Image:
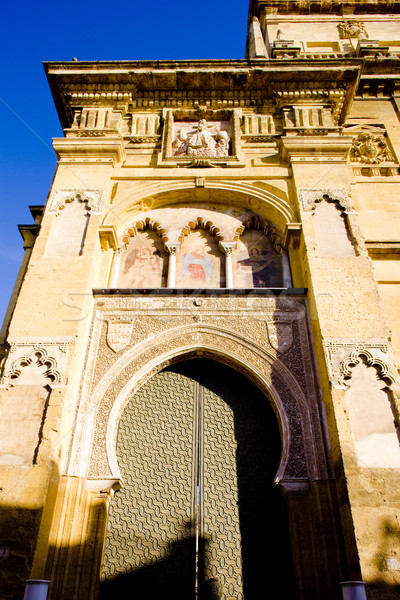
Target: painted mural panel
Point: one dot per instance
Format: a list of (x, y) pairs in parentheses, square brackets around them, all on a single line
[(200, 262), (144, 264), (256, 263)]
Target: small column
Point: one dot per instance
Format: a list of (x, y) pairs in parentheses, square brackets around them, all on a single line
[(227, 248), (172, 249), (287, 278), (115, 268)]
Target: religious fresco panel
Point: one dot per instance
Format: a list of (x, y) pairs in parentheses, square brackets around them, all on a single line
[(256, 264), (144, 264), (199, 263)]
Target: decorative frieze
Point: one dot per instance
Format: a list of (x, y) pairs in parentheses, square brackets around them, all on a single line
[(97, 121), (254, 126)]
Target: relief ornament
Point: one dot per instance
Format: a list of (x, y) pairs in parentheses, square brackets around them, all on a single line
[(352, 29), (119, 334), (370, 149), (201, 143)]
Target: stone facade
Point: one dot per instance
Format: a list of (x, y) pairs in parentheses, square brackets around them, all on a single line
[(239, 211)]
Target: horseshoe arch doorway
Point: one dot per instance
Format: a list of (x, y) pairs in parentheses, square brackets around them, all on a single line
[(198, 518)]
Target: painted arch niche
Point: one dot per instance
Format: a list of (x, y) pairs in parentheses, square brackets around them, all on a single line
[(257, 264), (198, 447), (201, 258), (144, 262), (199, 263)]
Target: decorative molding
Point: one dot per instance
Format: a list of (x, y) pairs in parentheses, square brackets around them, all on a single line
[(259, 139), (92, 198), (309, 198), (343, 356), (148, 139), (91, 133)]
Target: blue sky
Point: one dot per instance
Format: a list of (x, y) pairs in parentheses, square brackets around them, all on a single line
[(43, 31)]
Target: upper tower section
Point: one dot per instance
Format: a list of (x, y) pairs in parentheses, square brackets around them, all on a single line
[(321, 29)]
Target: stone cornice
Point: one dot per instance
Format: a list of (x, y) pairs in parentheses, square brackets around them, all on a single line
[(120, 83), (323, 6)]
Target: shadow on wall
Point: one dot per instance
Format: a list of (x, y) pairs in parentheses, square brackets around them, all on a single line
[(387, 561), (172, 576), (18, 533)]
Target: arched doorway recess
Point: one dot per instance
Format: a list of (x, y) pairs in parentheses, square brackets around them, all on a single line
[(198, 446)]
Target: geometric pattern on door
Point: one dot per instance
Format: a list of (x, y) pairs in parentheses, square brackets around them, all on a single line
[(198, 446)]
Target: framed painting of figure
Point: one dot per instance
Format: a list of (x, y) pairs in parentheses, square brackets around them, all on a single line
[(144, 263)]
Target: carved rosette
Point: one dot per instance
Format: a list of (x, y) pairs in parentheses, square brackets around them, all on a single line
[(309, 198), (370, 149), (92, 199)]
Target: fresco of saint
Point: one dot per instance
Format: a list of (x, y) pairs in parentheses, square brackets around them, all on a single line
[(199, 263), (257, 264), (144, 263)]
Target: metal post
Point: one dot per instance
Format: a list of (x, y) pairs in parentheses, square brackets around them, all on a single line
[(353, 590), (36, 589)]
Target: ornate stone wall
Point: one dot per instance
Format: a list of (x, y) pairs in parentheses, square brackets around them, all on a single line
[(266, 338)]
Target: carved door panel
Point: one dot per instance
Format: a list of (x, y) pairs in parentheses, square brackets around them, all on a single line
[(198, 447)]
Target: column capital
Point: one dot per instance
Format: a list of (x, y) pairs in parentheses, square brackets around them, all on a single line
[(227, 247), (172, 247)]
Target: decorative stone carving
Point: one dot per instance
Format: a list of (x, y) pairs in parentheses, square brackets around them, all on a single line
[(309, 198), (200, 141), (372, 358), (368, 378), (280, 335), (352, 29), (232, 331), (258, 128), (201, 138), (119, 334), (343, 356), (370, 149), (61, 197), (50, 356)]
